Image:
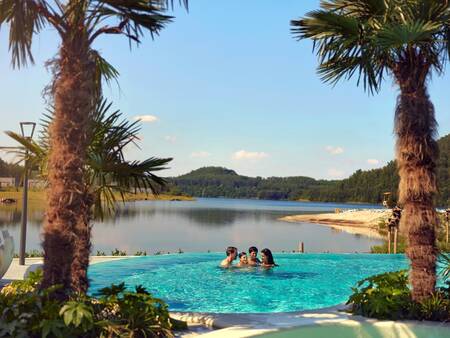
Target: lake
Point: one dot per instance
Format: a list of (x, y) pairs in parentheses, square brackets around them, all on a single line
[(207, 224)]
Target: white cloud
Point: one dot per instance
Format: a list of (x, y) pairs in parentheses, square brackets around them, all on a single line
[(334, 150), (373, 161), (249, 155), (200, 154), (146, 118), (170, 138), (335, 173)]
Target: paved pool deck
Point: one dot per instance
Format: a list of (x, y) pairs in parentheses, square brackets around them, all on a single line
[(209, 325), (18, 272)]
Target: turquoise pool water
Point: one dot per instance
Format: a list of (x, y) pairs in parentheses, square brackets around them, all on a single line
[(194, 282)]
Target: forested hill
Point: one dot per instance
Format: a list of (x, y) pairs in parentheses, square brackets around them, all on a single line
[(362, 186)]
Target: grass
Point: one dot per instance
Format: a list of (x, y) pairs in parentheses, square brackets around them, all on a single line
[(37, 198)]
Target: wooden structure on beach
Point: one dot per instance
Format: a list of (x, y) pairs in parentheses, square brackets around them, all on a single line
[(393, 224)]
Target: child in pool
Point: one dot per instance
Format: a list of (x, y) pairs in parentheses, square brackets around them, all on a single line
[(253, 259), (243, 261)]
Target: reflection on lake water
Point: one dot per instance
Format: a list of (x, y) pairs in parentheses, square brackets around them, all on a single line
[(205, 224)]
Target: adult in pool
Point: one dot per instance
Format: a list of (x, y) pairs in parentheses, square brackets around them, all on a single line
[(253, 259), (231, 253), (267, 259)]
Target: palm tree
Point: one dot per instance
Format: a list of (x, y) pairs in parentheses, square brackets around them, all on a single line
[(107, 172), (75, 90), (406, 40)]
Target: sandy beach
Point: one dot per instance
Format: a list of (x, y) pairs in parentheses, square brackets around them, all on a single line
[(360, 222)]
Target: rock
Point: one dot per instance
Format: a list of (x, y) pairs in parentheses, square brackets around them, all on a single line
[(6, 251)]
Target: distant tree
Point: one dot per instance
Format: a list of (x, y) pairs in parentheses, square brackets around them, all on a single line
[(407, 40)]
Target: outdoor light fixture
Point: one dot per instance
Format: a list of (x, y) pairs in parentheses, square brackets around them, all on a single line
[(27, 130)]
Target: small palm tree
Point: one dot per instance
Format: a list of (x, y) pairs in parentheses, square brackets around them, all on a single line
[(107, 172), (406, 40), (75, 91)]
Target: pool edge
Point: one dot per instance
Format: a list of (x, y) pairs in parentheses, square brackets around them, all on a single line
[(242, 325)]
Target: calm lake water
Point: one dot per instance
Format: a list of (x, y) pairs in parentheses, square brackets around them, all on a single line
[(205, 224)]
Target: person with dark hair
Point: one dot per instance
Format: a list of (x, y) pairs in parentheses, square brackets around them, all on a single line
[(267, 259), (243, 262), (231, 253), (254, 260)]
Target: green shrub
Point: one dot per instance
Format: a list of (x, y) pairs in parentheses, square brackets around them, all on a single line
[(436, 308), (117, 252), (383, 248), (384, 296), (388, 296), (26, 311), (31, 254)]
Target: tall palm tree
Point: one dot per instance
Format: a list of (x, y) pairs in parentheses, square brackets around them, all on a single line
[(407, 40), (79, 23)]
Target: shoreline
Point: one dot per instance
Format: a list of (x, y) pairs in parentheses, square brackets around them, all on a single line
[(36, 198), (359, 222)]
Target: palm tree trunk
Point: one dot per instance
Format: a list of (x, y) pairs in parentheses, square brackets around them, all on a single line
[(417, 153), (67, 228)]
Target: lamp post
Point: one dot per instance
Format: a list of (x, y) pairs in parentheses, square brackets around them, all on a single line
[(27, 130)]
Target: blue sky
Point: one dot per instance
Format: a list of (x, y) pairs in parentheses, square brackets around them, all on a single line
[(227, 85)]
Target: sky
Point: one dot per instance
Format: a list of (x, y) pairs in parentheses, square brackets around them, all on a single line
[(227, 85)]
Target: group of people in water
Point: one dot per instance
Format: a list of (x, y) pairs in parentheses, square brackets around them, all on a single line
[(249, 260)]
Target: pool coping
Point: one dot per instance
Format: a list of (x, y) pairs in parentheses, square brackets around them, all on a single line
[(240, 325)]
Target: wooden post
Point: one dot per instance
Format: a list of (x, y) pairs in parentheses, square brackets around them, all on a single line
[(389, 240), (446, 236), (395, 239), (447, 216)]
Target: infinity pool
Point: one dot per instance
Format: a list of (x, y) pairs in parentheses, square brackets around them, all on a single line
[(195, 283)]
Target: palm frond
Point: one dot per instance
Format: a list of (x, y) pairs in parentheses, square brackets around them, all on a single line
[(24, 22), (32, 152), (369, 38), (133, 17), (413, 33), (104, 71)]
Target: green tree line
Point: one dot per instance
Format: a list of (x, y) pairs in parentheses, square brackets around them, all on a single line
[(365, 186)]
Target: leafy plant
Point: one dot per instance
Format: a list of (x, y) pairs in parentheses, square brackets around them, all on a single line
[(27, 311), (382, 296), (436, 308), (388, 296)]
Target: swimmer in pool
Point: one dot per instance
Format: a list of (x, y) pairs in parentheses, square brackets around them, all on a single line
[(243, 262), (253, 260), (267, 259), (231, 253)]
